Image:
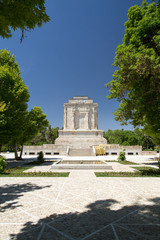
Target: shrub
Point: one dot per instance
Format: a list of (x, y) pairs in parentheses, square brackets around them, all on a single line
[(122, 156), (3, 149), (3, 164), (159, 163), (40, 157)]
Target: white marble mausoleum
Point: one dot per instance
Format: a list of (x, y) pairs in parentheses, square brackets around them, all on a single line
[(80, 124), (80, 133)]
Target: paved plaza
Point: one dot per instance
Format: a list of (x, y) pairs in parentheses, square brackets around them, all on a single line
[(81, 206)]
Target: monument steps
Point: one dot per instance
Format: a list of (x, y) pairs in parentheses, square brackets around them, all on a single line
[(81, 152)]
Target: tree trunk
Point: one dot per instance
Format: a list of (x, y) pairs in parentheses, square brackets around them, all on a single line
[(0, 147), (158, 151), (21, 152), (16, 153)]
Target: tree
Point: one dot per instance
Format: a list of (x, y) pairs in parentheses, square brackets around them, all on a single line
[(51, 134), (34, 121), (17, 125), (20, 14), (121, 137), (15, 95), (130, 138), (136, 81)]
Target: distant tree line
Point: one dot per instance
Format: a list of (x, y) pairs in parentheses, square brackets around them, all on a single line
[(46, 136), (129, 138)]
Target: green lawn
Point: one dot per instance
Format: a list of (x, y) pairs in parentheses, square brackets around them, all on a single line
[(37, 162), (125, 162), (18, 172), (142, 172)]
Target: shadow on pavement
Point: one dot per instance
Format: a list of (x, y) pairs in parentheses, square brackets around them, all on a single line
[(9, 194), (104, 220)]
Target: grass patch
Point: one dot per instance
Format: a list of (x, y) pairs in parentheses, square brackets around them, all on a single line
[(37, 162), (111, 161), (18, 172), (125, 162), (142, 172), (148, 171)]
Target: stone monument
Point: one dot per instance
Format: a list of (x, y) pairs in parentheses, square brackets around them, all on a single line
[(80, 133), (80, 124)]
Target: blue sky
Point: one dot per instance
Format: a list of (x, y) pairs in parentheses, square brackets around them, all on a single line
[(72, 55)]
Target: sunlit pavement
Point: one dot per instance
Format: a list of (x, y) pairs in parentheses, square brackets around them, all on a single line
[(80, 207)]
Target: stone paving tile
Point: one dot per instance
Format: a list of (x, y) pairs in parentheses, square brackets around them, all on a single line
[(124, 234), (43, 233), (80, 225), (6, 231), (49, 195), (27, 201), (105, 234), (64, 195), (149, 191), (145, 215), (51, 234), (77, 203), (8, 209), (31, 234), (89, 194), (50, 212), (18, 218), (149, 231)]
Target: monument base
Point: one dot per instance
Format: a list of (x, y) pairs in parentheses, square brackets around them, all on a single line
[(80, 138)]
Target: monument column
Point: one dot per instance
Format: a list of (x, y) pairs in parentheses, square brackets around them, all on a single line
[(88, 120), (92, 120), (73, 113), (65, 117), (95, 118)]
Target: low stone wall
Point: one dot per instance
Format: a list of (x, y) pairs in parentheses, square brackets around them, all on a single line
[(149, 153), (53, 149), (47, 149), (115, 149)]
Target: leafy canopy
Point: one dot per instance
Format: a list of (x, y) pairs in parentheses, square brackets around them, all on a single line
[(129, 138), (17, 125), (14, 95), (136, 80), (35, 121), (21, 14)]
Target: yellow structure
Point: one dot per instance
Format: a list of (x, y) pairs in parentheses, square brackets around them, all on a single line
[(100, 150)]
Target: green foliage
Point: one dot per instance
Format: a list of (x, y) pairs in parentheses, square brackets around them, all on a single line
[(19, 172), (15, 95), (143, 172), (129, 138), (3, 164), (45, 136), (17, 125), (125, 162), (35, 121), (51, 134), (23, 15), (2, 106), (136, 80), (122, 156), (3, 149), (40, 157), (122, 137)]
